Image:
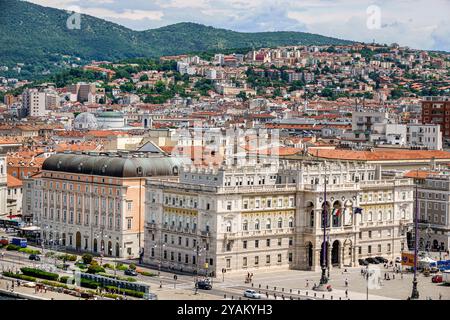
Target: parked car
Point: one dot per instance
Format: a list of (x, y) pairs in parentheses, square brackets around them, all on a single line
[(204, 285), (363, 262), (382, 260), (252, 294), (372, 261), (130, 272), (4, 241), (34, 257), (436, 279)]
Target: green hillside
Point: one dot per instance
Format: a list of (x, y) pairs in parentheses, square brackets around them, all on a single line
[(38, 37)]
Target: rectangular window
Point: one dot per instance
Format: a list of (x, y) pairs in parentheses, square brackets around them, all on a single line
[(128, 223), (256, 260), (228, 263), (268, 242), (244, 244), (244, 261), (379, 248), (256, 243), (290, 256), (279, 258), (369, 249), (279, 242), (267, 259)]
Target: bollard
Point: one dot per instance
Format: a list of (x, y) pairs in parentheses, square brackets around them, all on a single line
[(340, 298), (224, 296), (331, 297), (306, 292), (323, 296), (232, 298)]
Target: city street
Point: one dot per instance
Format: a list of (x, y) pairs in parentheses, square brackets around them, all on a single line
[(288, 283)]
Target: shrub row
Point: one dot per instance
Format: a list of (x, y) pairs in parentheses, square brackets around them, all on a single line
[(148, 274), (29, 251), (67, 257), (54, 284), (86, 283), (39, 273), (19, 276), (128, 292), (12, 247)]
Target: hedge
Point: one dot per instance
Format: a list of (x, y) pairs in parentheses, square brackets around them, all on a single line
[(86, 283), (12, 247), (29, 251), (54, 284), (128, 292), (19, 276), (63, 279), (95, 269), (148, 274), (67, 257), (39, 273)]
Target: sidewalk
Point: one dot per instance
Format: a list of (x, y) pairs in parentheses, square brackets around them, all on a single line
[(49, 295)]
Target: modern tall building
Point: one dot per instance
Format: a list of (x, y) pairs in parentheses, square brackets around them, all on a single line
[(436, 110), (95, 202), (266, 217), (34, 101)]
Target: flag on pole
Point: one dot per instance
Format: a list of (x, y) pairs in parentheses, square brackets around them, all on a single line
[(358, 210), (336, 212)]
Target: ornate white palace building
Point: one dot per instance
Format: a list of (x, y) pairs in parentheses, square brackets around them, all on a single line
[(270, 216)]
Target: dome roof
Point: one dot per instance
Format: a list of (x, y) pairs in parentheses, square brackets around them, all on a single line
[(85, 120), (113, 165)]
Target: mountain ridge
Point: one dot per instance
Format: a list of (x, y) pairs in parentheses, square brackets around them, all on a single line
[(38, 37)]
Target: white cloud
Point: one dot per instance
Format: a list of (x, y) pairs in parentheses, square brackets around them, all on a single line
[(125, 14)]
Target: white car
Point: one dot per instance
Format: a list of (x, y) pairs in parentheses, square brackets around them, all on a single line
[(252, 294)]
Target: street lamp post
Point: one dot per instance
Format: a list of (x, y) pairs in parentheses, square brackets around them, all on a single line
[(415, 292), (323, 278)]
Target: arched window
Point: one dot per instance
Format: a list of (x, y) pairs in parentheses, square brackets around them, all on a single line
[(369, 216), (228, 226), (403, 214), (280, 223), (269, 224), (245, 225), (257, 224), (311, 218), (380, 215), (291, 222)]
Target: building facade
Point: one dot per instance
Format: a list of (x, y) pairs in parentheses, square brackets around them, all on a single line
[(436, 110), (434, 213), (95, 202), (251, 218)]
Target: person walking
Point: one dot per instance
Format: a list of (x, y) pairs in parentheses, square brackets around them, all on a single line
[(307, 283), (346, 282), (346, 293)]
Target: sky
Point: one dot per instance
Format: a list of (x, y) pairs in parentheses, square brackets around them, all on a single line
[(420, 24)]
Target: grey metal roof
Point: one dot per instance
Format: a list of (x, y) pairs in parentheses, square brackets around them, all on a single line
[(113, 165)]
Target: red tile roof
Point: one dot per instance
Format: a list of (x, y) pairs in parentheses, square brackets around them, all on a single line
[(380, 155)]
